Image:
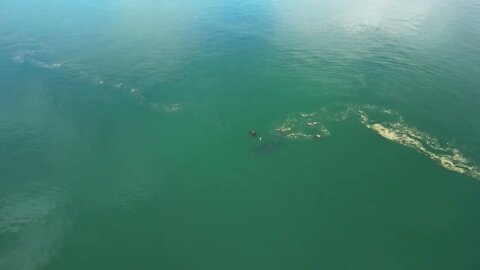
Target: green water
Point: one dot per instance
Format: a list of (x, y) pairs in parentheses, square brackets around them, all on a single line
[(124, 134)]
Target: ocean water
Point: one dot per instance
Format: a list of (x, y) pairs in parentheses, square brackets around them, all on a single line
[(124, 134)]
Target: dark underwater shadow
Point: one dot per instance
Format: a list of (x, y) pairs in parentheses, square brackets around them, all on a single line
[(267, 146)]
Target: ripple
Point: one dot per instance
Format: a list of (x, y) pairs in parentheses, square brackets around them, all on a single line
[(31, 228), (19, 210)]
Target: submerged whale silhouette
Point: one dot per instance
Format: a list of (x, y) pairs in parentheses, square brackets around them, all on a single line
[(267, 147)]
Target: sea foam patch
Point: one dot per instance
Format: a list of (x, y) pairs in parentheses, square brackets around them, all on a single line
[(398, 131), (302, 126), (36, 58), (386, 123), (29, 56)]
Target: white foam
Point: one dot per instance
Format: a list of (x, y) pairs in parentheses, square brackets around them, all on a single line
[(168, 108), (386, 123), (171, 107), (302, 126), (307, 114), (446, 156), (28, 56), (46, 65), (20, 57)]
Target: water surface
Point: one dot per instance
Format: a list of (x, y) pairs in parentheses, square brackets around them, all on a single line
[(124, 134)]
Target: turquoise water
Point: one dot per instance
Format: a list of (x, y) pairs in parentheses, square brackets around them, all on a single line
[(124, 134)]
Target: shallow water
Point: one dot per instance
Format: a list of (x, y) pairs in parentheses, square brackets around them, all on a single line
[(124, 134)]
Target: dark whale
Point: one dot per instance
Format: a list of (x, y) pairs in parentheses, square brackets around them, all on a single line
[(267, 147)]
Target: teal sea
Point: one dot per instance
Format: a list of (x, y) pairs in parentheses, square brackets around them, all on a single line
[(124, 134)]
